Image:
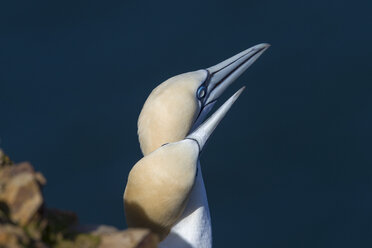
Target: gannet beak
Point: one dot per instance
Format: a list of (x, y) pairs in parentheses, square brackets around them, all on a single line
[(204, 131), (225, 73)]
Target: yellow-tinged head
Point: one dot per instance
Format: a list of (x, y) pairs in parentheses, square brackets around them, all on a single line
[(181, 103)]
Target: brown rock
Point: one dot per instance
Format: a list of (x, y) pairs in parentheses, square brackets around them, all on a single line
[(4, 159), (40, 178), (80, 241), (100, 230), (12, 236), (130, 238), (20, 191), (25, 222)]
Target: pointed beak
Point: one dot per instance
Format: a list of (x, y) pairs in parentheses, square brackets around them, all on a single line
[(225, 73), (204, 131)]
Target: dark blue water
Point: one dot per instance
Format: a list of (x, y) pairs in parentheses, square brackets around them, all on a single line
[(290, 166)]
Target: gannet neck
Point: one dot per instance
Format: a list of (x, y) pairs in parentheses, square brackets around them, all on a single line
[(194, 229), (159, 186)]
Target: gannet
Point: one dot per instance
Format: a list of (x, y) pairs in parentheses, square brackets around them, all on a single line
[(174, 109), (159, 185)]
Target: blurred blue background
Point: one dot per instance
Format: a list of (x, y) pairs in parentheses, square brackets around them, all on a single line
[(291, 165)]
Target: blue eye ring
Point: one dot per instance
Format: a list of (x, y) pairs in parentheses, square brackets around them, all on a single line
[(201, 92)]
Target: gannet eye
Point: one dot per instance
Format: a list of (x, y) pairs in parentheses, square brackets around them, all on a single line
[(200, 94)]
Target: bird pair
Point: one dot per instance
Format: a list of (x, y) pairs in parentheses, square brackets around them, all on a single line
[(165, 190)]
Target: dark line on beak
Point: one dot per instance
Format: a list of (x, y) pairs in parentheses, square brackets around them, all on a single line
[(201, 110), (236, 68)]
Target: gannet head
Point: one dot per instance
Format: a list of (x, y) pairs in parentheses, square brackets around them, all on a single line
[(181, 103), (159, 184)]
